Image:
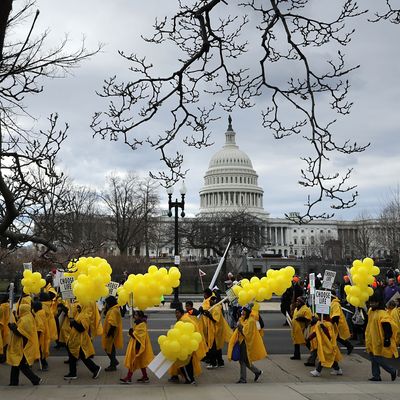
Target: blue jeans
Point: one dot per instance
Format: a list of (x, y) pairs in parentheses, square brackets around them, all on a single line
[(377, 362)]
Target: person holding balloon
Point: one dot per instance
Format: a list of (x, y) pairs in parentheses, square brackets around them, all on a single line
[(112, 332), (250, 343), (4, 329), (42, 327), (79, 343), (139, 352), (339, 323)]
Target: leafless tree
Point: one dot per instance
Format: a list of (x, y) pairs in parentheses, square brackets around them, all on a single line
[(210, 41), (24, 64), (213, 231), (389, 220), (129, 208)]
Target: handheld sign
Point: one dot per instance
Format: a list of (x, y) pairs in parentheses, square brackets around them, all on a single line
[(322, 301), (112, 288), (27, 265), (329, 278), (160, 365), (66, 288)]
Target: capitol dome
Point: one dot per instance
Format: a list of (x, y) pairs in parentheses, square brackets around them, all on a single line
[(231, 183)]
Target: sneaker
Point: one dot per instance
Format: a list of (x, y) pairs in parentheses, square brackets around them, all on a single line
[(393, 375), (97, 373), (125, 381), (209, 366), (257, 375), (70, 377), (315, 373), (241, 381), (110, 368), (39, 382), (174, 379), (308, 364), (375, 379), (221, 365), (143, 380), (337, 372), (295, 358)]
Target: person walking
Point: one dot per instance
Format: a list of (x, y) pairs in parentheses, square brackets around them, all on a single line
[(380, 339), (139, 352), (23, 348), (112, 332), (79, 343), (43, 331), (250, 344), (301, 319)]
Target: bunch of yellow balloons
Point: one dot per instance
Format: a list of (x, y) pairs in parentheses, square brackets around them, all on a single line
[(91, 274), (362, 275), (276, 281), (32, 282), (147, 289), (181, 341)]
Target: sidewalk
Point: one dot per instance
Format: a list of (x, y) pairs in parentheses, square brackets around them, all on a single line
[(283, 379)]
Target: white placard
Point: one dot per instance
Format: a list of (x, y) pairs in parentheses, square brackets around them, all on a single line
[(66, 288), (312, 283), (329, 278), (27, 266), (322, 301), (57, 277), (112, 288), (177, 260), (160, 365)]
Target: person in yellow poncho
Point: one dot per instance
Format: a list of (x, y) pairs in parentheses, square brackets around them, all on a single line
[(300, 320), (96, 328), (250, 343), (139, 352), (217, 333), (394, 313), (380, 338), (324, 336), (23, 348), (112, 332), (340, 324), (205, 307), (4, 329), (42, 328), (24, 299), (79, 344), (190, 368)]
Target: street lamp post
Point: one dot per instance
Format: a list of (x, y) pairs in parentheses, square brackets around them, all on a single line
[(176, 303)]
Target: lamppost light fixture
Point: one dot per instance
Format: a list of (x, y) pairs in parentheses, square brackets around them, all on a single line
[(170, 190), (183, 188)]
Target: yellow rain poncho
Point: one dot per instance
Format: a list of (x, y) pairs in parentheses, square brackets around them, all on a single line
[(4, 330), (254, 343), (81, 340), (298, 327), (113, 318), (395, 315), (96, 328), (327, 349), (342, 328), (47, 307), (65, 327), (218, 331), (26, 326), (42, 328), (143, 357), (25, 299), (374, 335)]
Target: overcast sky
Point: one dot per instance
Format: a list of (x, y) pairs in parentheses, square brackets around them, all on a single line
[(375, 116)]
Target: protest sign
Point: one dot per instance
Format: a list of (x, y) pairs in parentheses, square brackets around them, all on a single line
[(322, 301), (329, 278), (66, 288), (112, 288)]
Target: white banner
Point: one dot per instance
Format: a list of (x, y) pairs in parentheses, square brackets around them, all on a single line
[(329, 278), (66, 288), (322, 301), (112, 288), (160, 365)]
